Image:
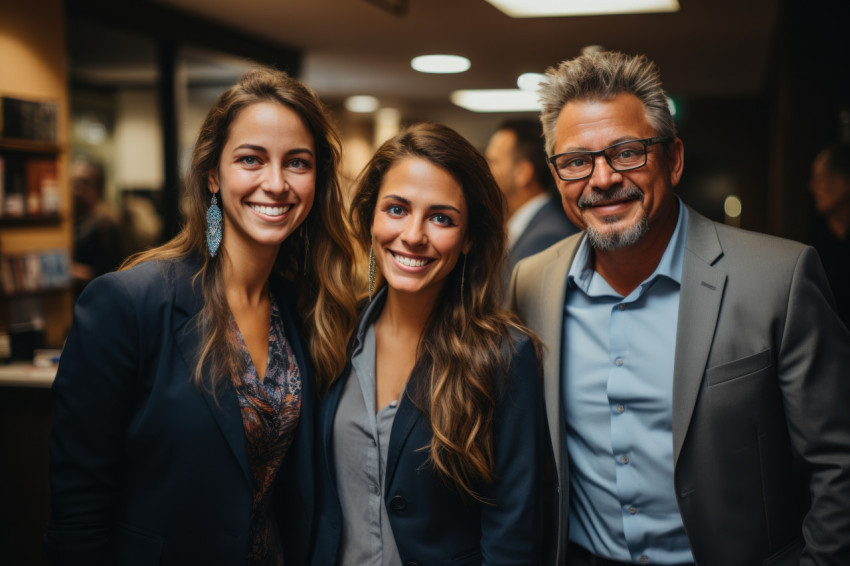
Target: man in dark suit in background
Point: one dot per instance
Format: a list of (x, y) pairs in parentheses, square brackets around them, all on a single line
[(535, 220), (696, 374)]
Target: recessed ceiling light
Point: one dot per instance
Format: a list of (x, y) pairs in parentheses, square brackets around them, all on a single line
[(530, 81), (497, 100), (361, 103), (440, 64), (554, 8)]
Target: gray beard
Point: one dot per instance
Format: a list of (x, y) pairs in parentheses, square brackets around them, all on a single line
[(619, 239), (615, 240)]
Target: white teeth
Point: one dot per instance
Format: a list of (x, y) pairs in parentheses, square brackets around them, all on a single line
[(272, 210), (410, 262)]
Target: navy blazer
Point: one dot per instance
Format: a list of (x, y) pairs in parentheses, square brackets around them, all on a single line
[(430, 521), (145, 467)]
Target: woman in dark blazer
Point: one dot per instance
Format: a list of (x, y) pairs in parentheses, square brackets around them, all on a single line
[(434, 441), (184, 399)]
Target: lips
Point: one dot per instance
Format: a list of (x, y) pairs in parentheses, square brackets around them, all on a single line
[(411, 261), (271, 210), (614, 197)]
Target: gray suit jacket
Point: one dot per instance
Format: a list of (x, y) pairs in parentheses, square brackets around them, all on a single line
[(761, 426)]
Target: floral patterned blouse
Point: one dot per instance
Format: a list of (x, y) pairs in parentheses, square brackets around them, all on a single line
[(270, 411)]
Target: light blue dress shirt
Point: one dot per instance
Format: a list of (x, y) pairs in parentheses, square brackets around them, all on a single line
[(617, 385)]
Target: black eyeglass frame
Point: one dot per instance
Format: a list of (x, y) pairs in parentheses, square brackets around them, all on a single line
[(646, 142)]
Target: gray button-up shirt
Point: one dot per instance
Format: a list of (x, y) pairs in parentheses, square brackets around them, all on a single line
[(361, 439)]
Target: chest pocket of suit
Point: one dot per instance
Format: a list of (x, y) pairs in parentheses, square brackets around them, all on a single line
[(739, 368)]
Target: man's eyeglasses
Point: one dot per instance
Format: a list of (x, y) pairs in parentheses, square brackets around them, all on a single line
[(623, 156)]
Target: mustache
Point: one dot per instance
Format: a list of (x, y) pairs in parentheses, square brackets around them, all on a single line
[(622, 193)]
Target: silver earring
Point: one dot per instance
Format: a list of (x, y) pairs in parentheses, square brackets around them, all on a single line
[(462, 279), (372, 269), (213, 226)]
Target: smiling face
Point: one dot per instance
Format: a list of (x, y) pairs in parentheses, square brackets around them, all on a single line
[(419, 227), (617, 209), (266, 178)]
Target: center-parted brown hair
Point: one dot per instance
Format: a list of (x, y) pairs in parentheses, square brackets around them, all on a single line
[(317, 256), (461, 351)]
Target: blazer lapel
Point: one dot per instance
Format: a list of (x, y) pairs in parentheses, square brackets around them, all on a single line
[(188, 303), (405, 420), (551, 324), (699, 306)]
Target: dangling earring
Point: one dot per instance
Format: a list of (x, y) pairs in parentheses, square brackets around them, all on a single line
[(462, 279), (372, 269), (213, 226)]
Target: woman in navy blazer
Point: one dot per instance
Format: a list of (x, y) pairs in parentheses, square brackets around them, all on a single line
[(184, 417), (434, 440)]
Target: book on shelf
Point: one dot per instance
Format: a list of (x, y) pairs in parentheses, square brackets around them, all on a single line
[(35, 271), (28, 119)]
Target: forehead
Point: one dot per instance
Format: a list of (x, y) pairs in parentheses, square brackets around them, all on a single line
[(503, 141), (268, 118), (596, 124), (420, 181)]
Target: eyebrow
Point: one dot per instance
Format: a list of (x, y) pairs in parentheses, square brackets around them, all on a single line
[(615, 142), (432, 207), (264, 150)]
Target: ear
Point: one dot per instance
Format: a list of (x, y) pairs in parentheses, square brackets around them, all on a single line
[(676, 161), (212, 181), (523, 173), (467, 245)]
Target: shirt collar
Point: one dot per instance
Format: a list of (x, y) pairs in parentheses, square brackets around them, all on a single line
[(581, 273)]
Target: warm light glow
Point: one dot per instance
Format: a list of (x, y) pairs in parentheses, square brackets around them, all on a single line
[(530, 81), (732, 206), (361, 103), (497, 100), (554, 8), (440, 64)]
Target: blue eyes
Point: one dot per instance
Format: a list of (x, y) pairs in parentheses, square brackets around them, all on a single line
[(438, 218)]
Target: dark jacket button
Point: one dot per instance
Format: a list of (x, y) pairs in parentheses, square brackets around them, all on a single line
[(398, 503)]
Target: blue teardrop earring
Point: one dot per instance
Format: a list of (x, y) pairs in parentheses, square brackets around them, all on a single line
[(213, 226)]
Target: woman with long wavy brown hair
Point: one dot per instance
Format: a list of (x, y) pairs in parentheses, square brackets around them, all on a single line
[(433, 437), (184, 399)]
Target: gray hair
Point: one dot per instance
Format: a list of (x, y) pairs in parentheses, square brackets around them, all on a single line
[(602, 76)]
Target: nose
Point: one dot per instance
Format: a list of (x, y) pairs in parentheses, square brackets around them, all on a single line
[(413, 233), (604, 176), (274, 181)]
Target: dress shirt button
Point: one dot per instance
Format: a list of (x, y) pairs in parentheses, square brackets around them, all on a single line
[(643, 559), (632, 510), (398, 503), (624, 459), (619, 361), (621, 409), (621, 306)]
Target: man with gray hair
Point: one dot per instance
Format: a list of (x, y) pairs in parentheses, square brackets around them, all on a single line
[(696, 374)]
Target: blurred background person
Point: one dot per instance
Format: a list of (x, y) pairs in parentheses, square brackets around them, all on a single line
[(534, 215), (830, 231), (100, 243)]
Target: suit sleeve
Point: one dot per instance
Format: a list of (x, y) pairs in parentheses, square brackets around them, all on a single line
[(91, 401), (813, 370), (513, 526)]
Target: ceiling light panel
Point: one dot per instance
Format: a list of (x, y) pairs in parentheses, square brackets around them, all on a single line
[(497, 100), (557, 8), (440, 64)]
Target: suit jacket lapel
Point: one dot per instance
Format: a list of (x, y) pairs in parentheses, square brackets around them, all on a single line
[(699, 306), (188, 303), (405, 419), (551, 316)]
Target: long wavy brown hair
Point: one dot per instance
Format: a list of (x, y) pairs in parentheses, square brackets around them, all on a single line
[(461, 351), (317, 257)]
